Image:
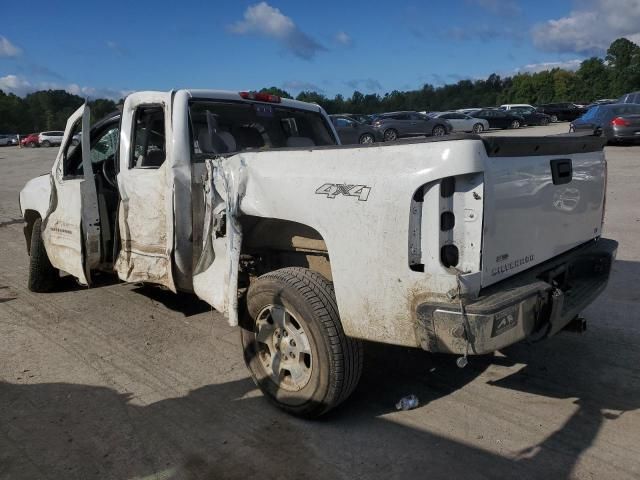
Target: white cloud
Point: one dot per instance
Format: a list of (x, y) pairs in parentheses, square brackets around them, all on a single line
[(343, 38), (8, 49), (267, 21), (15, 84), (572, 65), (21, 86), (591, 27)]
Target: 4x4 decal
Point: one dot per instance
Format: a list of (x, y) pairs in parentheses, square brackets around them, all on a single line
[(331, 190)]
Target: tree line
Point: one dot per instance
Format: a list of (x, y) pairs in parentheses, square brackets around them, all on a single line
[(609, 77), (45, 110)]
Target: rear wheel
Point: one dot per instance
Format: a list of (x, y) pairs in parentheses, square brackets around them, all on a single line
[(438, 131), (366, 139), (390, 135), (294, 345), (554, 118), (42, 275), (46, 143), (478, 128), (515, 124)]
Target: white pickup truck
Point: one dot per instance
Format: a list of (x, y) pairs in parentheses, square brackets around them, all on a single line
[(452, 244)]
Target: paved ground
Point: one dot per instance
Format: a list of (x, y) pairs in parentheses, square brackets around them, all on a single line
[(124, 381)]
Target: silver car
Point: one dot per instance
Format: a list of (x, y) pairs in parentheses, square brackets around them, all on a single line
[(409, 124), (464, 123)]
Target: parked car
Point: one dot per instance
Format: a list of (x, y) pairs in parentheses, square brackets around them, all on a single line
[(633, 97), (351, 131), (7, 139), (311, 249), (560, 112), (510, 106), (531, 116), (50, 138), (463, 123), (31, 140), (499, 118), (617, 122), (410, 124), (360, 117), (469, 111)]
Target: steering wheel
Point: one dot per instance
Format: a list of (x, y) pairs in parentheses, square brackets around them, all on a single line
[(109, 171)]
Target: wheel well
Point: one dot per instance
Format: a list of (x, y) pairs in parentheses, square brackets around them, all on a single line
[(270, 244), (30, 216)]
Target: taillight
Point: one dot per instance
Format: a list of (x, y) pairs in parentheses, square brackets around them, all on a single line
[(260, 97), (620, 122)]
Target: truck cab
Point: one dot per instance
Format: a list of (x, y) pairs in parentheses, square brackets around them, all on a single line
[(453, 244)]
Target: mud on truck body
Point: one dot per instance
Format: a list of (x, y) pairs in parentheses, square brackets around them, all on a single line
[(452, 244)]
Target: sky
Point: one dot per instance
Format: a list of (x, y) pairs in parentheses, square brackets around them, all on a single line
[(97, 49)]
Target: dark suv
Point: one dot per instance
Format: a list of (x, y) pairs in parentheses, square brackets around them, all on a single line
[(410, 124), (561, 111), (633, 97)]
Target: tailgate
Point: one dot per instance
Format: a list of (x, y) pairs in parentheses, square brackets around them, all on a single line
[(543, 197)]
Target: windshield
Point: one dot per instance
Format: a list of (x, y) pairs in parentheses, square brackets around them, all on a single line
[(219, 127)]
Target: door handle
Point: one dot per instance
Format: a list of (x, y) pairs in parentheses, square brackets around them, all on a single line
[(561, 171)]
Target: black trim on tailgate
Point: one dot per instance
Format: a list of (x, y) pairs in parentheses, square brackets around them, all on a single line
[(565, 144)]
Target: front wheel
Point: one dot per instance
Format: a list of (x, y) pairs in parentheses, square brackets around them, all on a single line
[(390, 135), (544, 122), (554, 118), (42, 275), (294, 345), (31, 144), (46, 143), (366, 139), (478, 128), (515, 124), (438, 131)]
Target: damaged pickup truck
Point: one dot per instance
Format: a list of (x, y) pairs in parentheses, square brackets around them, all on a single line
[(453, 244)]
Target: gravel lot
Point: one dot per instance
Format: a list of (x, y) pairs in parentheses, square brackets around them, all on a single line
[(125, 381)]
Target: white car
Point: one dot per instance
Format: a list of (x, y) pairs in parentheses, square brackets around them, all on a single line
[(6, 140), (50, 138), (509, 106), (456, 244), (464, 123)]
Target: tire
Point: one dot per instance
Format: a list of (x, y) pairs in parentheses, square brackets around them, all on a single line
[(438, 131), (46, 143), (478, 128), (31, 145), (42, 275), (554, 118), (366, 139), (544, 122), (299, 305), (390, 135), (515, 124)]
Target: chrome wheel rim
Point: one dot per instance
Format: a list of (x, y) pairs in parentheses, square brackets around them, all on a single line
[(283, 348), (390, 135), (366, 139), (438, 132), (478, 128)]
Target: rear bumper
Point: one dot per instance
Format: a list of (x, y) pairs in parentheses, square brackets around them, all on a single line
[(531, 305)]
